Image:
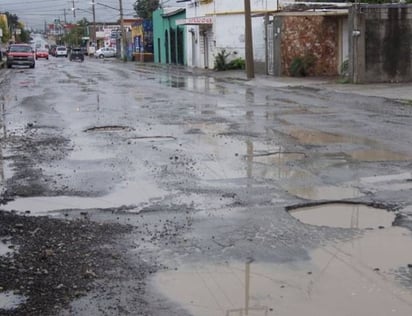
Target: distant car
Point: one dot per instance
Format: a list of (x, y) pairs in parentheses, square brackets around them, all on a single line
[(105, 52), (42, 53), (61, 51), (21, 55), (76, 54)]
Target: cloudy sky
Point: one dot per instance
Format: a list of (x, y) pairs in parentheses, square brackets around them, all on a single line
[(34, 13)]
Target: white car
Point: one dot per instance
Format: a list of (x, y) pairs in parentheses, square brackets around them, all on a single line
[(105, 52), (61, 51)]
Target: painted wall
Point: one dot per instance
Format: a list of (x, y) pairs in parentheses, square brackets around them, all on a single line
[(169, 39), (227, 31), (387, 43), (311, 36)]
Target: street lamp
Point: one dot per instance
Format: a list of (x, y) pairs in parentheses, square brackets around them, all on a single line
[(94, 23), (122, 35)]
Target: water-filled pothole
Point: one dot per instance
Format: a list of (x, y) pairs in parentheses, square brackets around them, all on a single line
[(343, 215)]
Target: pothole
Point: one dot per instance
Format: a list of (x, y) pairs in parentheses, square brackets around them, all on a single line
[(154, 138), (108, 128), (343, 215)]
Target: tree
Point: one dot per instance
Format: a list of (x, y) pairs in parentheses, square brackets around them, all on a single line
[(74, 37), (24, 36), (145, 8), (6, 33)]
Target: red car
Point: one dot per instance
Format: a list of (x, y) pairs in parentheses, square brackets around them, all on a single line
[(42, 53), (20, 55)]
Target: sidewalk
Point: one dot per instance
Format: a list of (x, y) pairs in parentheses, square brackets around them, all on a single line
[(394, 91)]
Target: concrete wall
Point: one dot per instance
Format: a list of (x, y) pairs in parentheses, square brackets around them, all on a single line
[(315, 36), (381, 44)]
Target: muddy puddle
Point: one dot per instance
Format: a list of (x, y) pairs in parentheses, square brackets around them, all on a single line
[(374, 152), (344, 215), (358, 277), (379, 155), (129, 194)]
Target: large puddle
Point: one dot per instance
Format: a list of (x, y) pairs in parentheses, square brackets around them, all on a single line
[(358, 277), (344, 215), (128, 193)]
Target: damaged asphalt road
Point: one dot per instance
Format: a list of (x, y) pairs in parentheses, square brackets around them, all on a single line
[(132, 189)]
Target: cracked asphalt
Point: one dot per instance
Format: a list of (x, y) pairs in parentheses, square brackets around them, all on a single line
[(166, 191)]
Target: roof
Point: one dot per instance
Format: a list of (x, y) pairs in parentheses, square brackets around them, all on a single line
[(172, 11)]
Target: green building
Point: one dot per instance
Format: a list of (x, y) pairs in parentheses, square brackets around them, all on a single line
[(169, 40)]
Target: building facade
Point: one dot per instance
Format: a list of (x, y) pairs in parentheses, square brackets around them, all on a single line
[(169, 40), (215, 25)]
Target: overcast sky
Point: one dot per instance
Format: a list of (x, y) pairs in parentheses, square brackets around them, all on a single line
[(34, 13)]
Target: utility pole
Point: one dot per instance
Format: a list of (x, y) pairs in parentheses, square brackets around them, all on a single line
[(74, 10), (250, 71), (94, 24), (122, 38)]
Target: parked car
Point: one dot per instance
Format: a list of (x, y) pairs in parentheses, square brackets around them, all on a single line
[(20, 54), (42, 53), (61, 51), (76, 54), (105, 52)]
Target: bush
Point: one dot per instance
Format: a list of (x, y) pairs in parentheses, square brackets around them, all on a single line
[(221, 60), (238, 63), (300, 65)]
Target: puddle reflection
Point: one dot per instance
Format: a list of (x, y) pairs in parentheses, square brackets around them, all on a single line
[(352, 278), (344, 215)]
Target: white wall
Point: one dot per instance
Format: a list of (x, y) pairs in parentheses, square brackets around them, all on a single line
[(228, 30)]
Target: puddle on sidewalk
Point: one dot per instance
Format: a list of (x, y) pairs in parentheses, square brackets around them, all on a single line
[(10, 301), (352, 278), (344, 215)]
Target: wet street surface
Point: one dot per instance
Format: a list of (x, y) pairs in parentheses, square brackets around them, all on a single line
[(131, 189)]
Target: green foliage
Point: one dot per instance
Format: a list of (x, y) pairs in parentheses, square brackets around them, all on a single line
[(74, 37), (24, 36), (221, 60), (145, 8), (6, 33), (344, 72), (237, 63), (300, 65)]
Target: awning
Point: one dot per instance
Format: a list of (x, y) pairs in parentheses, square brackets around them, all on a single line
[(199, 20)]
